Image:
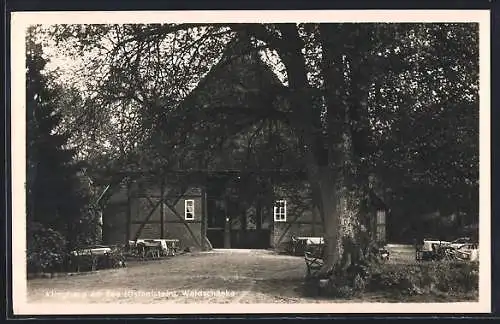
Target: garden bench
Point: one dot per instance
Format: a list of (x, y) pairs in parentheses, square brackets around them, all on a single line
[(313, 257)]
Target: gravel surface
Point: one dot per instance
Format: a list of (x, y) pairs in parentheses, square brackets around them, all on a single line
[(218, 276), (227, 276)]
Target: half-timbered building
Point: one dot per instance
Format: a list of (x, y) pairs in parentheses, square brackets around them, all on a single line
[(234, 200)]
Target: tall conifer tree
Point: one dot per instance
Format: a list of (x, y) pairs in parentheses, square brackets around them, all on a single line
[(54, 195)]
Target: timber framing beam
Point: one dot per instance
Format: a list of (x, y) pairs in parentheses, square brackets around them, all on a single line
[(154, 207), (162, 211), (204, 218)]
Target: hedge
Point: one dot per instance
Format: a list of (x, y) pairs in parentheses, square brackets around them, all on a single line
[(47, 253), (406, 279), (46, 250)]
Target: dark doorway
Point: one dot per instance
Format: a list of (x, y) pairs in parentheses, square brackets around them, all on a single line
[(215, 221), (250, 239), (235, 213), (216, 237), (236, 238)]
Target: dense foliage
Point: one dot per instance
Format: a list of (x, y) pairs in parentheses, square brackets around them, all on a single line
[(46, 250), (56, 198)]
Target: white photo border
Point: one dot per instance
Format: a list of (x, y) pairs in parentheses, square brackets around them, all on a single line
[(19, 23)]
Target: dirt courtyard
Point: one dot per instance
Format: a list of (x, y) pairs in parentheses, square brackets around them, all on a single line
[(218, 276)]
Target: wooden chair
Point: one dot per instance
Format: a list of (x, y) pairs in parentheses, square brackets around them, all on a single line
[(446, 253), (298, 247), (152, 249), (419, 253), (436, 252), (384, 254), (140, 250), (292, 248), (468, 251), (172, 247), (94, 259)]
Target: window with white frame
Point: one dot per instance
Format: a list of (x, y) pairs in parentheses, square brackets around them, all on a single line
[(189, 209), (280, 211)]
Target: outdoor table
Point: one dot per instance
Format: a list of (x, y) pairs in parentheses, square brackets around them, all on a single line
[(91, 251), (310, 239), (168, 246), (427, 246), (299, 243), (94, 253), (153, 248)]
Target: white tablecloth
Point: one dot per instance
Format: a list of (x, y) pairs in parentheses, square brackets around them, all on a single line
[(311, 240), (474, 255), (428, 244), (164, 242), (94, 251)]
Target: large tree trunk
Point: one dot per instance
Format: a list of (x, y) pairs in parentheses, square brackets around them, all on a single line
[(337, 184), (343, 208), (344, 194), (342, 198), (320, 177)]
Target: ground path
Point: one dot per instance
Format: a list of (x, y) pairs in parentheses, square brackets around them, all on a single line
[(218, 276)]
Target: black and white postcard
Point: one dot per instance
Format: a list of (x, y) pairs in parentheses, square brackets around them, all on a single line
[(225, 162)]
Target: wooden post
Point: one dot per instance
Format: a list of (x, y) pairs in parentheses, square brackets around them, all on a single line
[(162, 211), (204, 219), (258, 214), (129, 212), (100, 226), (227, 228), (270, 214), (372, 223), (314, 220)]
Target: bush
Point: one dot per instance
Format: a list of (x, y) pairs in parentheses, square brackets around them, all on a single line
[(411, 279), (404, 279), (116, 258), (46, 250)]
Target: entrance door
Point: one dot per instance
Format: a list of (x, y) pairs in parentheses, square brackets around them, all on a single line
[(246, 226), (226, 226), (216, 215), (251, 239)]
